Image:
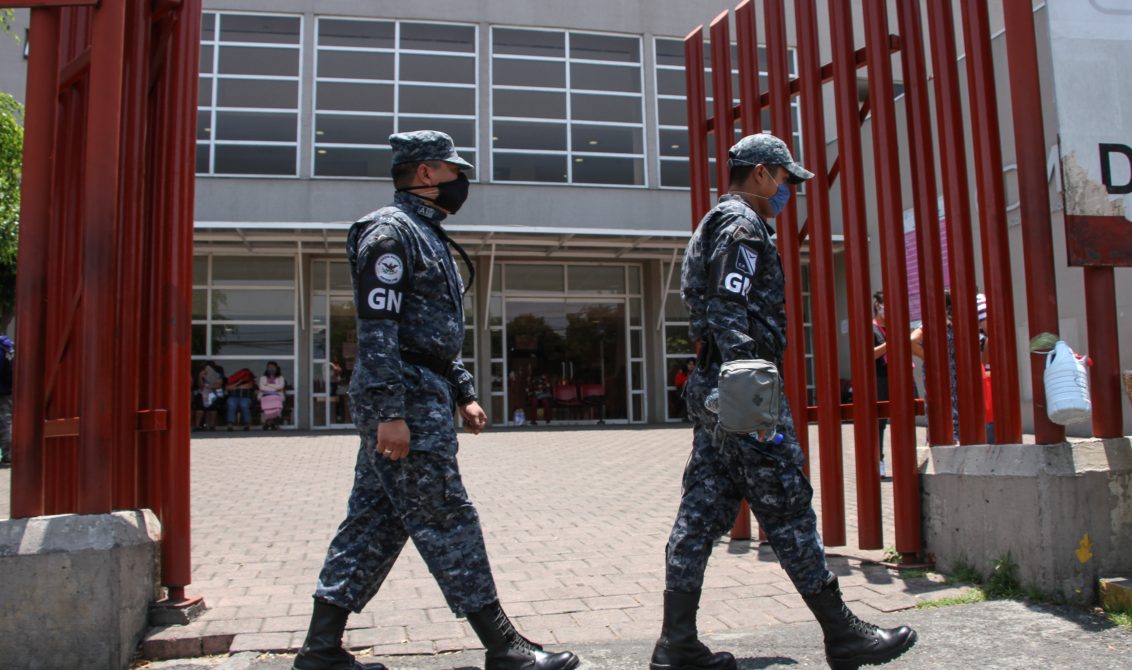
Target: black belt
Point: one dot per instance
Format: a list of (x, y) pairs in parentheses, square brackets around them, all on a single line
[(709, 353), (435, 363)]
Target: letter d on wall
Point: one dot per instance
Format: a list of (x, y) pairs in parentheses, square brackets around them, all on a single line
[(1107, 150)]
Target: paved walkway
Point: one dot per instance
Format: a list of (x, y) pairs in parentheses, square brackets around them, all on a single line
[(575, 521)]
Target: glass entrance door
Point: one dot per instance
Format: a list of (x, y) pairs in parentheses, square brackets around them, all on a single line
[(334, 344)]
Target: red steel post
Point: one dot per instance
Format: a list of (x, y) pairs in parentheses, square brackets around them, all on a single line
[(957, 209), (823, 291), (1104, 349), (28, 457), (746, 34), (995, 239), (1033, 194), (722, 107), (894, 271), (858, 289), (778, 73), (933, 310), (697, 124)]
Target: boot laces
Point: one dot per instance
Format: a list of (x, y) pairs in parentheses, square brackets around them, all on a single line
[(514, 639), (862, 628)]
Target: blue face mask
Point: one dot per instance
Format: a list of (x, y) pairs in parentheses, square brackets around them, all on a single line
[(779, 199)]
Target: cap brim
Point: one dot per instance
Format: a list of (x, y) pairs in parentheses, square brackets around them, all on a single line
[(798, 174), (456, 160)]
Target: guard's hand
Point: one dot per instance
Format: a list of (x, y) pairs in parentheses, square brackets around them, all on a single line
[(474, 417), (393, 439)]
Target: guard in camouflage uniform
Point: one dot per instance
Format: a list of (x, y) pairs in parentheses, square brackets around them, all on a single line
[(734, 289), (406, 385)]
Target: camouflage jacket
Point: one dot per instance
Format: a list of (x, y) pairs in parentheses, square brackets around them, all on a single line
[(732, 283), (409, 297)]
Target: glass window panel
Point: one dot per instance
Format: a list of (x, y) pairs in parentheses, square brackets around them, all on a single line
[(256, 362), (202, 159), (634, 280), (535, 278), (351, 162), (252, 340), (431, 99), (605, 77), (605, 170), (677, 340), (204, 124), (354, 97), (207, 25), (438, 37), (669, 52), (251, 159), (319, 304), (204, 92), (256, 126), (673, 142), (597, 278), (497, 417), (355, 65), (605, 47), (340, 279), (605, 108), (638, 407), (674, 309), (259, 61), (447, 69), (356, 33), (318, 343), (257, 93), (670, 82), (496, 376), (528, 167), (638, 375), (463, 131), (259, 28), (200, 270), (267, 271), (496, 343), (546, 74), (634, 311), (529, 42), (672, 112), (608, 139), (342, 129), (200, 304), (200, 339), (675, 173), (635, 351), (531, 104), (519, 135), (206, 51), (253, 305), (468, 349)]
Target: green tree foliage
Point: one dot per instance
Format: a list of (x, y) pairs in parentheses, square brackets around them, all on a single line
[(11, 161)]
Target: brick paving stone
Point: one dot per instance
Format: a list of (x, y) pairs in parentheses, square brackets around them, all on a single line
[(370, 637), (274, 642)]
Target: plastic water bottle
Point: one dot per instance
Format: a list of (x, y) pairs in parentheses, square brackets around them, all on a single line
[(711, 404)]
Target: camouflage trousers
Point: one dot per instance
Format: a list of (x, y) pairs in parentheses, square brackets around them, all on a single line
[(6, 426), (721, 472), (420, 497)]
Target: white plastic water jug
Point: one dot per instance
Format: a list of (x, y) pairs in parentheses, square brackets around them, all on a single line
[(1067, 386)]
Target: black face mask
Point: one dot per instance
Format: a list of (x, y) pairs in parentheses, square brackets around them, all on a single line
[(451, 194)]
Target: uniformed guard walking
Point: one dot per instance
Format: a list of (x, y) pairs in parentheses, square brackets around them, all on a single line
[(734, 289), (407, 382)]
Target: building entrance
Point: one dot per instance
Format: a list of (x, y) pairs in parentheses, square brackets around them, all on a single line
[(334, 344)]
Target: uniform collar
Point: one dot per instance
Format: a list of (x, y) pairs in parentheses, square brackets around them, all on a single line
[(418, 206), (735, 197)]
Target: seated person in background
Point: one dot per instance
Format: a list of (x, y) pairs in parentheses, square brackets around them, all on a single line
[(240, 389), (538, 393), (271, 396), (208, 396)]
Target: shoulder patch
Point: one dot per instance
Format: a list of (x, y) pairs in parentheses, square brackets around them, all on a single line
[(733, 272), (382, 279)]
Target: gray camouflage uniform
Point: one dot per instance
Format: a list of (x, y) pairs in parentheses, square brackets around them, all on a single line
[(409, 299), (733, 286)]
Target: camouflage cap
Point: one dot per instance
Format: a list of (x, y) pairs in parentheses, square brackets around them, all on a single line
[(425, 145), (765, 149)]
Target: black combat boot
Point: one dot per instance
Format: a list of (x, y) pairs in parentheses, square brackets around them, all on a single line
[(508, 650), (322, 649), (679, 646), (850, 642)]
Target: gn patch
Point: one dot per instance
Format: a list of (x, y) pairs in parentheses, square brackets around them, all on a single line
[(383, 278), (734, 271)]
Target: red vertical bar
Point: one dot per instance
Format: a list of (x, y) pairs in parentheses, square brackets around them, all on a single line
[(697, 124), (723, 112), (778, 71), (1104, 349), (994, 236), (1033, 193), (100, 380), (855, 227), (28, 458), (750, 109), (933, 309), (823, 293), (894, 271), (957, 209), (183, 71)]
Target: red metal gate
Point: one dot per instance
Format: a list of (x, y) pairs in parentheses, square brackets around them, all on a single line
[(945, 120), (105, 265)]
